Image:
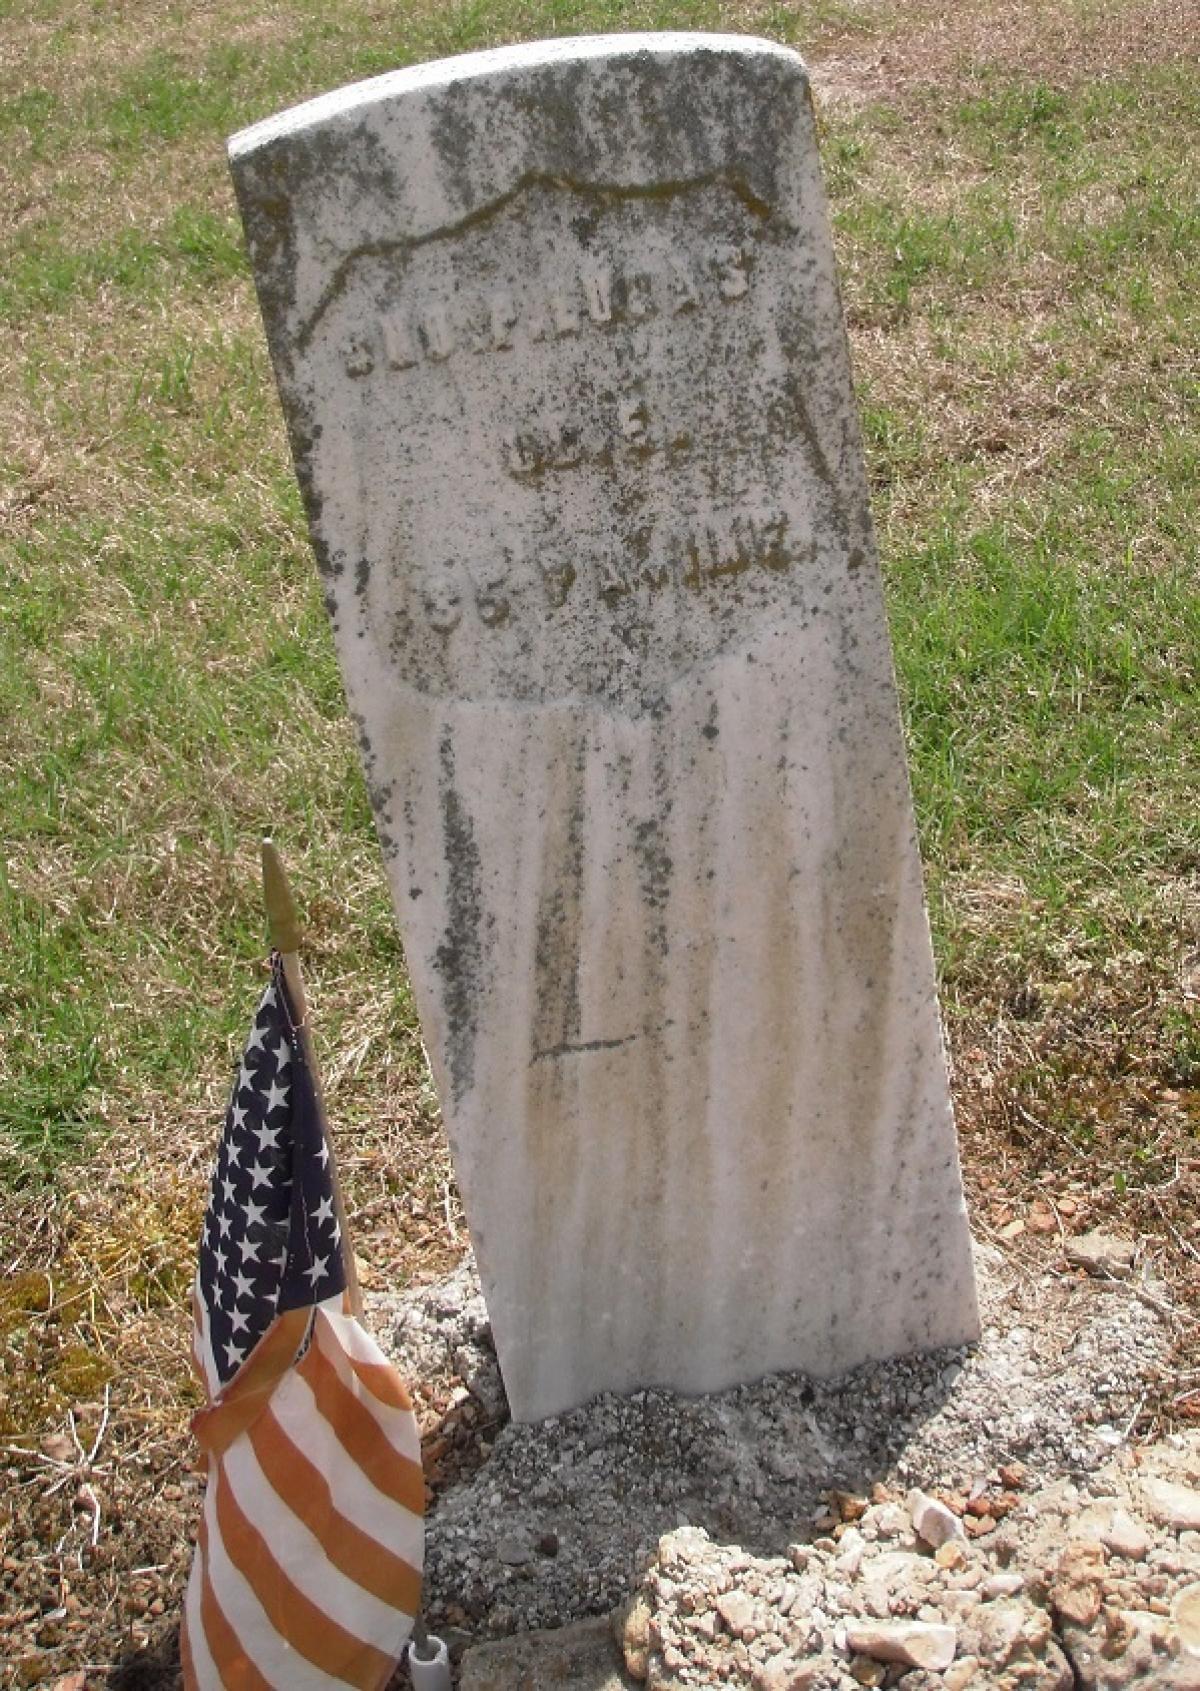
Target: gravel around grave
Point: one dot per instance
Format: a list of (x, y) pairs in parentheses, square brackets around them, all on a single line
[(726, 1514)]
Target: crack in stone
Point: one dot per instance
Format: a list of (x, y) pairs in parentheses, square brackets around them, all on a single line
[(574, 1049), (1057, 1632)]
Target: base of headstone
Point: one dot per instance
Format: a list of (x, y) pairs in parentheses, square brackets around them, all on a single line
[(558, 1521), (583, 1657)]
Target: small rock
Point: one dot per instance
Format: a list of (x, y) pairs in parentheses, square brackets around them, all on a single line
[(785, 1673), (1185, 1618), (1076, 1592), (848, 1506), (1175, 1506), (1125, 1537), (514, 1552), (918, 1644), (1102, 1254), (1007, 1629), (634, 1637), (742, 1614), (959, 1675), (577, 1655), (890, 1520), (851, 1548), (1002, 1585), (934, 1522)]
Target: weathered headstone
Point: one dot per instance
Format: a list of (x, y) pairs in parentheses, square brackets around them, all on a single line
[(558, 339)]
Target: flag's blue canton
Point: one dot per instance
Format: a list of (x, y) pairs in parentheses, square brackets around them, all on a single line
[(271, 1241)]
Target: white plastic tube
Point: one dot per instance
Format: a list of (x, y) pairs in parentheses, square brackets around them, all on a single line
[(429, 1664)]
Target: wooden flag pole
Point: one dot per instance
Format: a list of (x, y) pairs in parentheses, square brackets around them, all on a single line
[(284, 924)]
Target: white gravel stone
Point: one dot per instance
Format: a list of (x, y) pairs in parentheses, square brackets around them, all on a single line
[(1125, 1536), (1185, 1618), (1177, 1506), (1102, 1254), (934, 1522), (1003, 1585), (918, 1644)]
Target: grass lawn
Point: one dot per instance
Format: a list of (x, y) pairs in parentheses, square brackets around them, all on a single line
[(1019, 235)]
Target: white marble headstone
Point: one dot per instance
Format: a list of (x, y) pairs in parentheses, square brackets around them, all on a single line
[(558, 339)]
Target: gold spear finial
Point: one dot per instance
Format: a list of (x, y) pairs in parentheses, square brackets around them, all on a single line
[(282, 917)]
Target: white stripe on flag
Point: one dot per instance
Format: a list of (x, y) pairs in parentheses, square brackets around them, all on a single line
[(300, 1555), (272, 1655), (381, 1517), (207, 1675)]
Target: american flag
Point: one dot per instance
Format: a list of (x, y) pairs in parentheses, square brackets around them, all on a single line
[(306, 1572)]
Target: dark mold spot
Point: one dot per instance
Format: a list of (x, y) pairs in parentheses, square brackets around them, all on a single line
[(460, 957)]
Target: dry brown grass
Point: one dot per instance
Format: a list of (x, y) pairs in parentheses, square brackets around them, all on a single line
[(927, 44)]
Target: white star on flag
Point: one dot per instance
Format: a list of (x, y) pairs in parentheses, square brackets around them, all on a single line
[(276, 1097)]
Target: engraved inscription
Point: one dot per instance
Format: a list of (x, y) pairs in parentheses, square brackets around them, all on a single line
[(583, 458), (594, 296), (625, 430), (648, 563)]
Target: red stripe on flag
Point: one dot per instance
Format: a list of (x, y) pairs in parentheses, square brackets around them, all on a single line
[(361, 1435), (306, 1491), (306, 1627)]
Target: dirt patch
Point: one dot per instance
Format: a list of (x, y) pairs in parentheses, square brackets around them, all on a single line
[(928, 46)]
